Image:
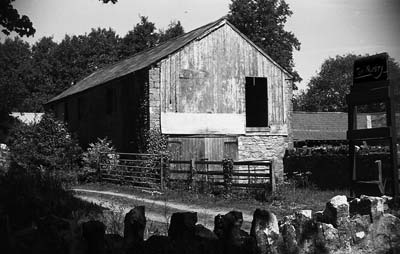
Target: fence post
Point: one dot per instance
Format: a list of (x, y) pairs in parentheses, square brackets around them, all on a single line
[(272, 172), (99, 167), (227, 165), (191, 175), (162, 171)]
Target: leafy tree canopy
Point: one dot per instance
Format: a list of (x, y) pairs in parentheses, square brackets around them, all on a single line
[(263, 22), (14, 61), (174, 30), (11, 20), (31, 75), (327, 90), (143, 36)]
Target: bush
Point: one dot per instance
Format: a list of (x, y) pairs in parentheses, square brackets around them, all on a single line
[(156, 142), (45, 146), (102, 149), (26, 197), (328, 166)]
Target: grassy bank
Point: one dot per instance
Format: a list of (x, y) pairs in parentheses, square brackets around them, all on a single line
[(285, 201)]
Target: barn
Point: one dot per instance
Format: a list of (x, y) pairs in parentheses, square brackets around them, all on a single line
[(212, 91)]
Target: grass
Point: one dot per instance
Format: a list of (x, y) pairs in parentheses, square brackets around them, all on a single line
[(287, 199)]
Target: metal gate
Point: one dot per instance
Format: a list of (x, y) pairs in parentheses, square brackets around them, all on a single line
[(136, 169)]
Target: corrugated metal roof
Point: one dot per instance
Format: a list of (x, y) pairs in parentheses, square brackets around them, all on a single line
[(146, 58)]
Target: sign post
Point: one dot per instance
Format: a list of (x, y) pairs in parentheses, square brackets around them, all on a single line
[(371, 85)]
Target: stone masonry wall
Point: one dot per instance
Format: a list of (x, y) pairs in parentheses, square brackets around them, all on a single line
[(155, 97), (362, 226), (256, 147)]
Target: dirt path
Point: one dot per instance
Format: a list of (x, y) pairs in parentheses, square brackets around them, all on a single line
[(156, 210)]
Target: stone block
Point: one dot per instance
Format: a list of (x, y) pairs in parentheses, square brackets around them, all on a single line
[(360, 225), (367, 205), (265, 229), (384, 235), (289, 239), (182, 225), (134, 225), (327, 238), (94, 232), (336, 210)]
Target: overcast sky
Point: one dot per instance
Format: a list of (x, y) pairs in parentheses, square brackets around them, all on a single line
[(325, 28)]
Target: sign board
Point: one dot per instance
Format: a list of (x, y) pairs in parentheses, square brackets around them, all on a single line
[(371, 69)]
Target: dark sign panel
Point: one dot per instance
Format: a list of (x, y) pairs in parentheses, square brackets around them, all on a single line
[(371, 68)]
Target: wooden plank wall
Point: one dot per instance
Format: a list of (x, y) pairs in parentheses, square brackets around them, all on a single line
[(212, 148), (124, 126), (208, 76)]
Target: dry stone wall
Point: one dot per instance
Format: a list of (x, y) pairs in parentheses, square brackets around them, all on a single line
[(345, 226)]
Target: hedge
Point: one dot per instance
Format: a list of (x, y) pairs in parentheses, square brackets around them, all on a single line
[(328, 166)]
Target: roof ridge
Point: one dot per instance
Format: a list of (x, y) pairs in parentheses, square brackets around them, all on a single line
[(146, 50), (78, 86)]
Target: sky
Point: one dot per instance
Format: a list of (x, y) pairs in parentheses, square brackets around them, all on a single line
[(325, 28)]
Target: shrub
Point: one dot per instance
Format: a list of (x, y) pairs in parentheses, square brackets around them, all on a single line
[(101, 150), (156, 142), (27, 196), (227, 168), (328, 166), (45, 146)]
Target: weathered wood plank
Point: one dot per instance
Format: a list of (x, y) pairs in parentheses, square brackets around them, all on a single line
[(219, 63)]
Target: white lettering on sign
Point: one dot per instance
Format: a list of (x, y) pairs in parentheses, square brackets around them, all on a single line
[(373, 71)]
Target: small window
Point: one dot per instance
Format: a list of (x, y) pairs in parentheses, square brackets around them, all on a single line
[(110, 101), (66, 113), (256, 102)]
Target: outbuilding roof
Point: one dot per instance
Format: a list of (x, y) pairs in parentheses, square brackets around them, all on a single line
[(330, 125), (147, 57)]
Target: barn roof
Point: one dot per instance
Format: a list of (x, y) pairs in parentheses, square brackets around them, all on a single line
[(325, 125), (147, 57)]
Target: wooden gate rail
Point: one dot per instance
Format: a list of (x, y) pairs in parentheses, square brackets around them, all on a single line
[(147, 171), (249, 173)]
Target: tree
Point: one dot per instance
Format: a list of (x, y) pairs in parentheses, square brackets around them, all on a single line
[(11, 21), (327, 90), (100, 48), (39, 77), (143, 36), (263, 22), (45, 145), (15, 58), (174, 29), (71, 62)]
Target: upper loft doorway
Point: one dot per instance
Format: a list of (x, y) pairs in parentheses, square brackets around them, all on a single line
[(256, 102)]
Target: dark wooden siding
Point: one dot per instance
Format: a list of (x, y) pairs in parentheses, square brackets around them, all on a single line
[(201, 147), (125, 124)]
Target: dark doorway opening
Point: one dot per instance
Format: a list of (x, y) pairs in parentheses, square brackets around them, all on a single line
[(256, 102)]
